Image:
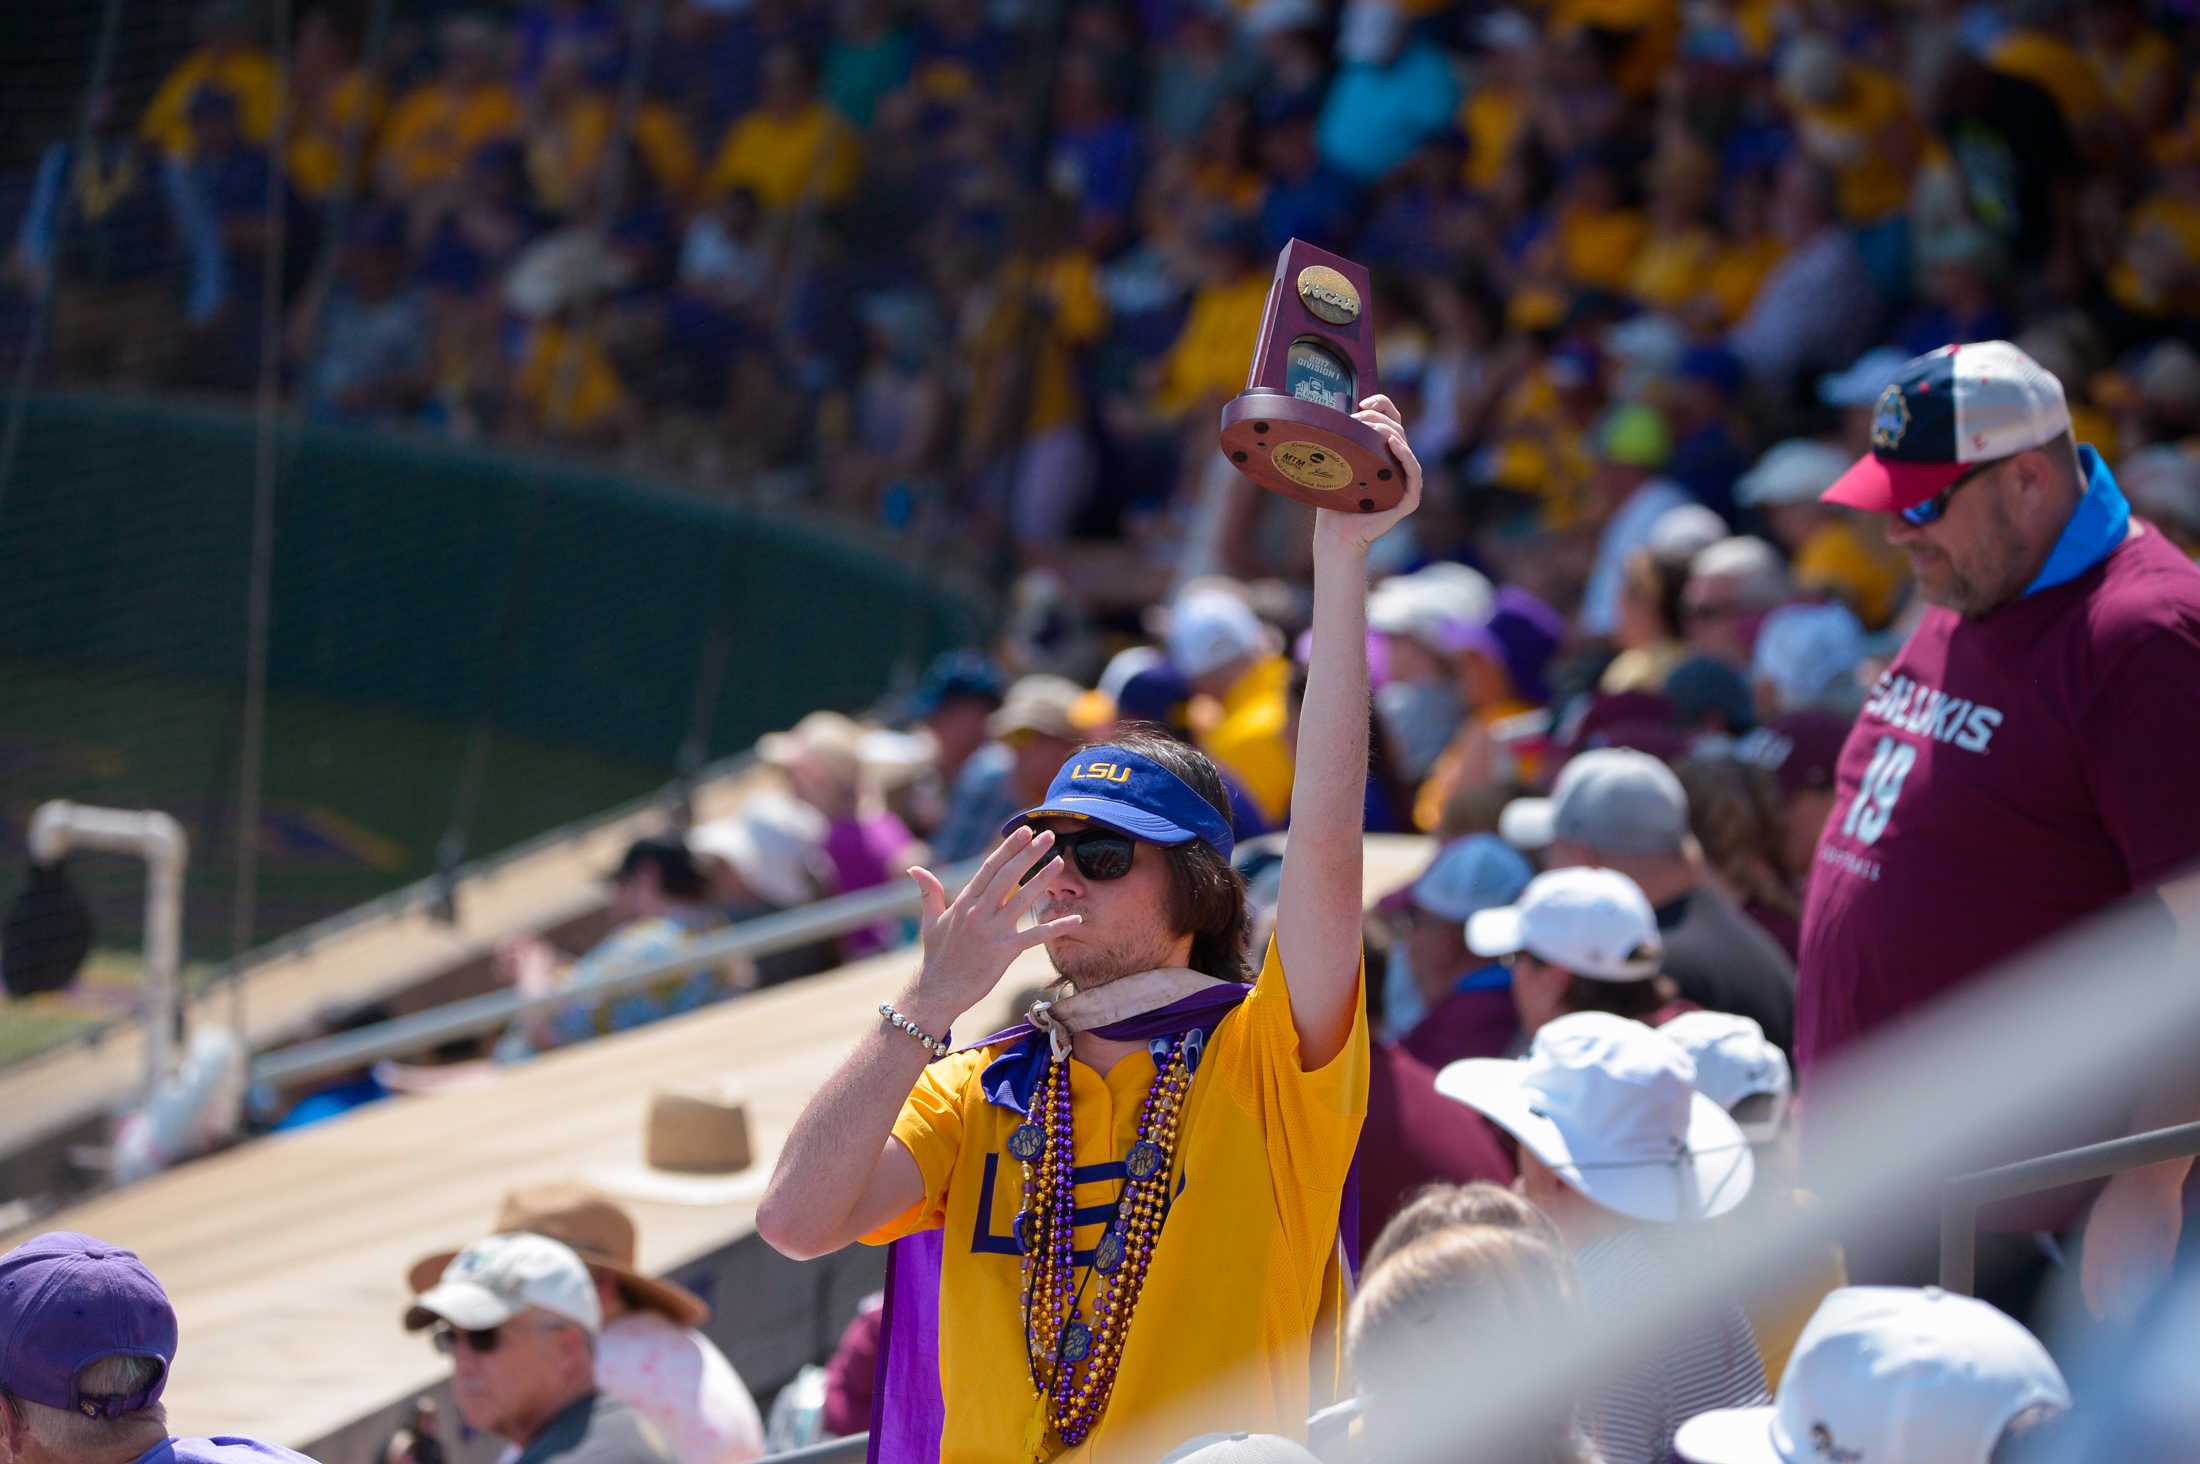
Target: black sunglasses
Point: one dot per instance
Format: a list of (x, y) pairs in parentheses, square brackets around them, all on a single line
[(1100, 854), (483, 1340), (1935, 508)]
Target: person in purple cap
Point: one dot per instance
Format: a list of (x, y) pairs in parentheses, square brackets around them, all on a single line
[(1119, 1224), (86, 1341), (2023, 762)]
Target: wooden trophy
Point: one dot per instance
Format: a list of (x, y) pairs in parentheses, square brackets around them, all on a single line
[(1291, 429)]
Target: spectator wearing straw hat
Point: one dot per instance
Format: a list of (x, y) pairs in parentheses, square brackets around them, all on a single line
[(1614, 1138), (1578, 940), (518, 1316), (822, 761), (649, 1354), (660, 901), (1621, 809), (1888, 1372), (87, 1342), (1032, 731)]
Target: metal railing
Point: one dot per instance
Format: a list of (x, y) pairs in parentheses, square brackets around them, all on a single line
[(474, 1016), (853, 1449), (1966, 1194)]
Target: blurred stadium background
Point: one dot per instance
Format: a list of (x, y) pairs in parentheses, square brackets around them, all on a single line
[(441, 439)]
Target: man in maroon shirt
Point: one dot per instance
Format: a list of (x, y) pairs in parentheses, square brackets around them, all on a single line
[(2027, 758)]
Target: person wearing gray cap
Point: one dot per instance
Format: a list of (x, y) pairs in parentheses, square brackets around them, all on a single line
[(1621, 809)]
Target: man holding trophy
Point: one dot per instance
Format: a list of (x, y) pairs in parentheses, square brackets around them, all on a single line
[(1116, 1225)]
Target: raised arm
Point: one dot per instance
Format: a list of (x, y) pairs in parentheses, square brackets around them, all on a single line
[(1318, 906), (842, 1173)]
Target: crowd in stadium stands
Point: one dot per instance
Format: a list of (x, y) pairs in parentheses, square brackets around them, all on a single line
[(1647, 277), (909, 261)]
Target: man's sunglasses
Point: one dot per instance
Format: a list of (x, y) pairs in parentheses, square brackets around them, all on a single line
[(481, 1340), (1935, 508), (1100, 854)]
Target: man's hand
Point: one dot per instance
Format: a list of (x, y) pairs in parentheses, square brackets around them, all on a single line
[(968, 943), (1332, 526), (2131, 1240)]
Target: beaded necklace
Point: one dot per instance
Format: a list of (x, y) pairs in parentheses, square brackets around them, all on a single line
[(1073, 1361)]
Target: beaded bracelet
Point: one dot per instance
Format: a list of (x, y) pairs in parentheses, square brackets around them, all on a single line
[(932, 1044)]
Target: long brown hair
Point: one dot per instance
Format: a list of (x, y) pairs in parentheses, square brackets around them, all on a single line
[(1206, 894)]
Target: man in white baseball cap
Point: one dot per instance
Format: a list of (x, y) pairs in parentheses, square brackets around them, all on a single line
[(1579, 940), (518, 1316), (1892, 1373), (1621, 809), (1613, 1136)]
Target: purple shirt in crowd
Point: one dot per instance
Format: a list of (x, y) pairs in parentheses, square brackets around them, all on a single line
[(859, 849), (220, 1450), (2008, 776)]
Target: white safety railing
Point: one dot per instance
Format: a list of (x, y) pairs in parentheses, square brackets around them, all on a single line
[(475, 1016), (59, 828)]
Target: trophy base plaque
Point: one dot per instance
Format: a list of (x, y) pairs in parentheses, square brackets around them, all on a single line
[(1310, 452)]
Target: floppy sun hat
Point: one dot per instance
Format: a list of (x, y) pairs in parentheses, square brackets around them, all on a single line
[(1611, 1107)]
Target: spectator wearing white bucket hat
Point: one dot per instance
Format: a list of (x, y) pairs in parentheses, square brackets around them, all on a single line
[(767, 857), (1579, 940), (1894, 1373), (1807, 656), (1613, 1137), (1747, 1076)]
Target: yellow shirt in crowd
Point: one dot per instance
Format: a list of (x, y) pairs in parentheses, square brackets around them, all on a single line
[(1245, 735), (1043, 379), (1492, 117), (1245, 1267), (566, 382), (2130, 77), (248, 77), (1870, 184), (1213, 352), (2168, 226), (1738, 273), (785, 160), (434, 130), (2054, 66), (1597, 247), (337, 125), (1673, 267)]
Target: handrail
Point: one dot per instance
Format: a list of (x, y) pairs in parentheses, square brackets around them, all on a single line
[(1966, 1193), (853, 1449), (493, 1011)]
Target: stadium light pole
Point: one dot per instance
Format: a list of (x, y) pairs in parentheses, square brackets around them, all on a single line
[(59, 827)]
